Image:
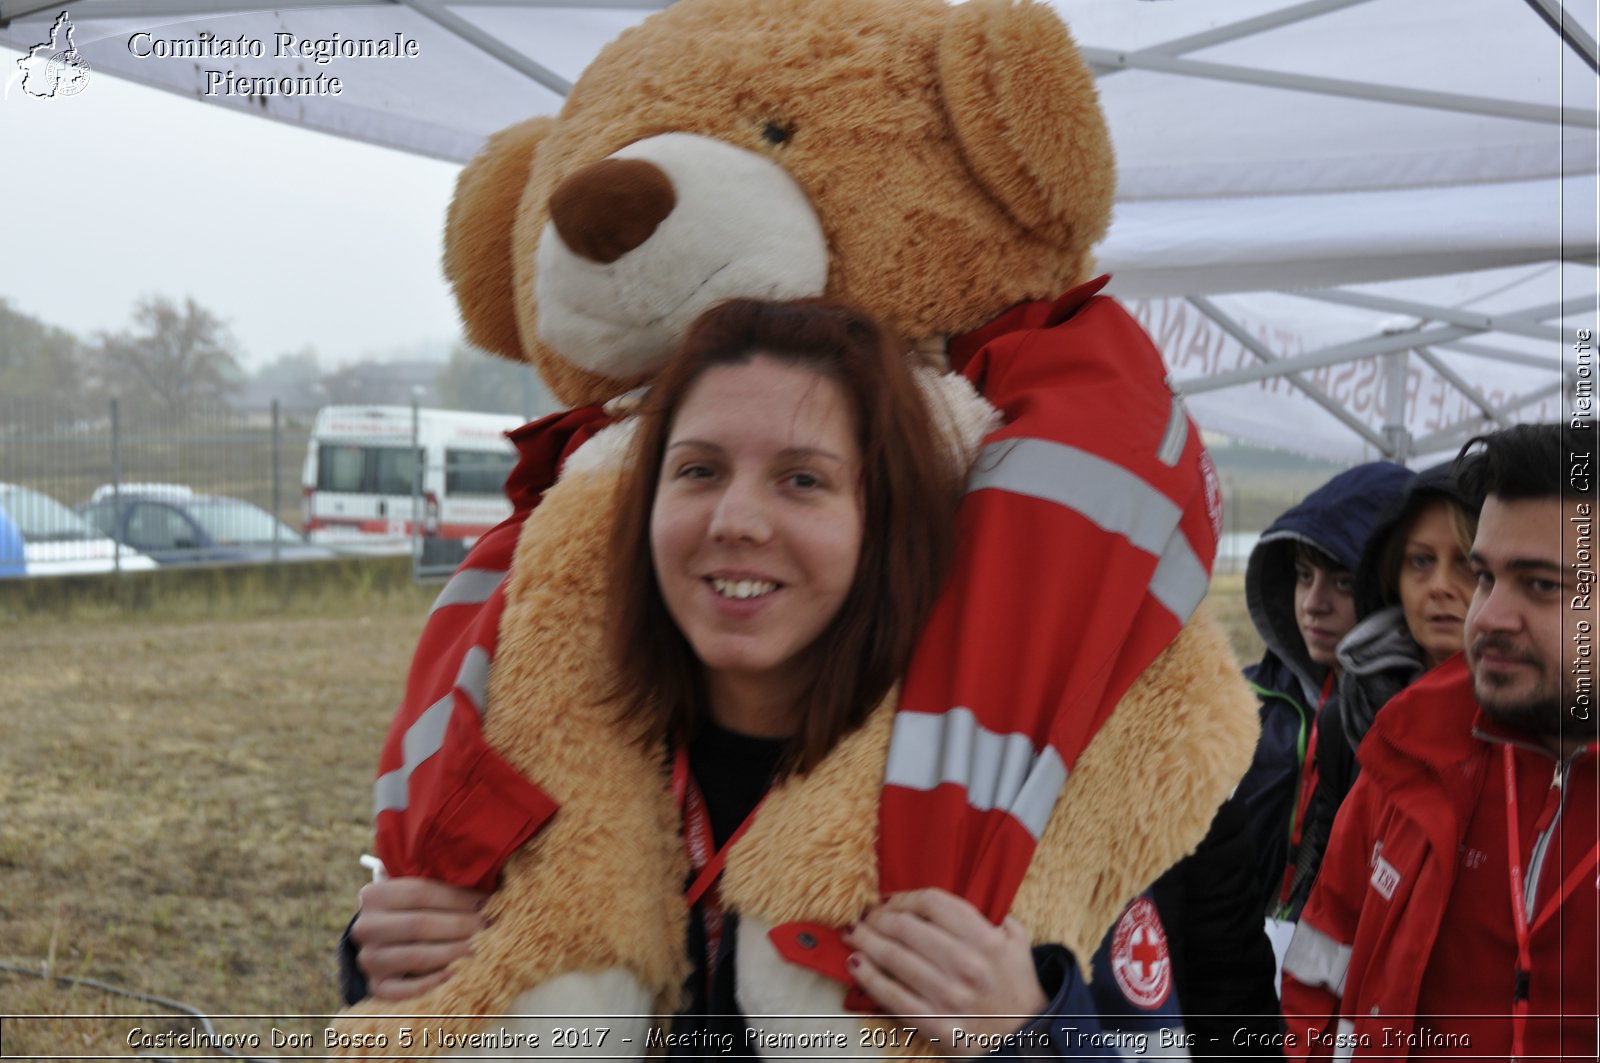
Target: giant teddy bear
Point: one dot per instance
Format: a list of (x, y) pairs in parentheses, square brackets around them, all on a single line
[(947, 169)]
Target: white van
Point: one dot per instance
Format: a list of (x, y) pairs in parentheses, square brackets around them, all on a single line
[(362, 465)]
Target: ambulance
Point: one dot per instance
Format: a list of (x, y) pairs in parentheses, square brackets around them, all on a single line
[(375, 477)]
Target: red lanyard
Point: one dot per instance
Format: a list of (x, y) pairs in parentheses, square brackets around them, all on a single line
[(1519, 905), (1302, 802), (705, 861)]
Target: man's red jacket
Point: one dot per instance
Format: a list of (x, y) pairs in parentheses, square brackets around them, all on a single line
[(1411, 912)]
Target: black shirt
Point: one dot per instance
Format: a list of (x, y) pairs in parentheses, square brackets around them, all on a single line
[(733, 771)]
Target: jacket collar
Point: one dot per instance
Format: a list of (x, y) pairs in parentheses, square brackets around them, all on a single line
[(1437, 722), (1493, 732), (1033, 314)]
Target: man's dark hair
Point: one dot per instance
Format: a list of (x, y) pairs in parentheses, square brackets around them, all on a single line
[(1530, 461)]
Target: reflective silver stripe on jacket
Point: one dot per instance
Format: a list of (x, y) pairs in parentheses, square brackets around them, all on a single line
[(1177, 434), (391, 793), (998, 771), (470, 586), (1108, 495), (1315, 959)]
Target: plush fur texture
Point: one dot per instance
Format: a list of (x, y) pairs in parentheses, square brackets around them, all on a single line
[(739, 225), (611, 859), (956, 162), (1144, 792), (920, 132), (1174, 747)]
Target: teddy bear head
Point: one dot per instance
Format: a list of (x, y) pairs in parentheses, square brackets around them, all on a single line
[(932, 164)]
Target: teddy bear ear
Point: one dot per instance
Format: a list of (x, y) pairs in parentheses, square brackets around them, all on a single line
[(1027, 115), (478, 236)]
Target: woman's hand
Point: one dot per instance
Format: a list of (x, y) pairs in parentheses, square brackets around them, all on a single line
[(409, 930), (931, 956)]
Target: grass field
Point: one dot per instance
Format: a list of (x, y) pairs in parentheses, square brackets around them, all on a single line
[(183, 802)]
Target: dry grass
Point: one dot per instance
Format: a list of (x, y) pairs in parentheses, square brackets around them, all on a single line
[(184, 800), (1227, 601)]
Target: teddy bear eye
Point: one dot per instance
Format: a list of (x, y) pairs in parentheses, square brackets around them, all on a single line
[(773, 133)]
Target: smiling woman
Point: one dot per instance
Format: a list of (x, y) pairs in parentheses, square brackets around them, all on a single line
[(784, 527), (784, 521), (790, 498), (757, 531)]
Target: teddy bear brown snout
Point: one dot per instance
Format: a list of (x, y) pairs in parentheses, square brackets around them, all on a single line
[(610, 207)]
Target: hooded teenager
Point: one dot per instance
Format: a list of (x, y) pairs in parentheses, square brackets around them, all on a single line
[(1300, 592)]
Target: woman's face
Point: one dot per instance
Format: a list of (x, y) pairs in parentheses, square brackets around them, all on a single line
[(757, 525), (1436, 582)]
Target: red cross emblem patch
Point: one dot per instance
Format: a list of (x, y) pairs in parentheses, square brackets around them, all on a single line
[(1139, 958)]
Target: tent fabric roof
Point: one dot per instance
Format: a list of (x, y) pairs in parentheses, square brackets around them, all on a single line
[(1442, 153)]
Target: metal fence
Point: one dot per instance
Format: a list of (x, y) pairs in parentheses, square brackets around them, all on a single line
[(68, 454), (119, 486), (85, 481)]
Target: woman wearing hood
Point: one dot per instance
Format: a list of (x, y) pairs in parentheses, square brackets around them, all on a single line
[(1300, 591), (1413, 586)]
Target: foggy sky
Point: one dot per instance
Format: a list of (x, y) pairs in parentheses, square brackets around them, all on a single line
[(293, 237)]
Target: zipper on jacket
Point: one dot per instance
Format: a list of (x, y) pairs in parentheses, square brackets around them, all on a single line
[(1541, 845)]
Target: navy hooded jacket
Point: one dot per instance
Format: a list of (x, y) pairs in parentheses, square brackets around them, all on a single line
[(1337, 519)]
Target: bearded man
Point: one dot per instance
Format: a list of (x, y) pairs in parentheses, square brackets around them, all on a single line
[(1455, 912)]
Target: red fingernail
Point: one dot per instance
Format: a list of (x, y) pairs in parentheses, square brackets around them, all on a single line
[(488, 921), (854, 962)]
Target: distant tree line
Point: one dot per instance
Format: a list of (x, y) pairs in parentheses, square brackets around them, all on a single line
[(175, 357)]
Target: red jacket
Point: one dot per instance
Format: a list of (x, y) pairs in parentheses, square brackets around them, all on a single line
[(1411, 912)]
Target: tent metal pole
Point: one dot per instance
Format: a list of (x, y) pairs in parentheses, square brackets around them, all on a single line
[(1444, 101), (1546, 311), (1479, 350), (516, 60), (1556, 16), (1394, 414), (1248, 27), (1459, 432), (8, 12), (579, 5), (1460, 384), (1344, 352), (1452, 436), (1517, 324), (89, 9), (1257, 348)]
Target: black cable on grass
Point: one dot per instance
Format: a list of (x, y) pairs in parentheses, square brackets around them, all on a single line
[(173, 1005)]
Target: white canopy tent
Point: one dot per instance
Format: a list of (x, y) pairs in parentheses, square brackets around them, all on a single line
[(1355, 227)]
